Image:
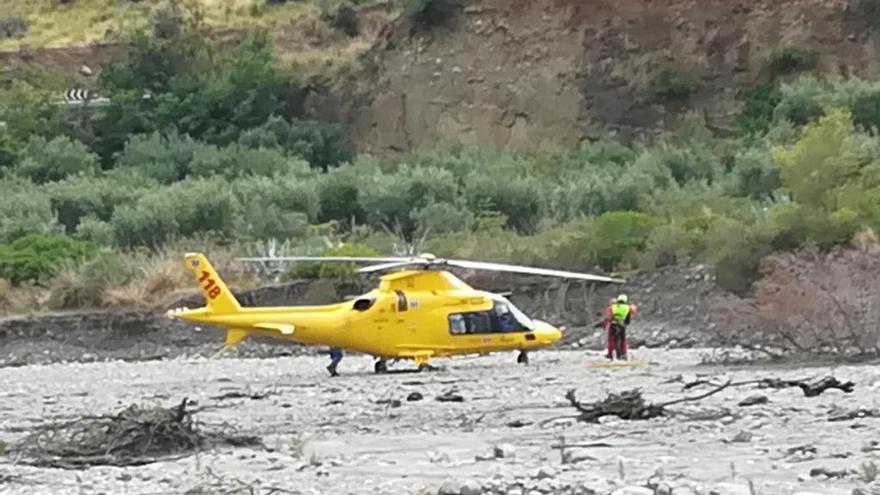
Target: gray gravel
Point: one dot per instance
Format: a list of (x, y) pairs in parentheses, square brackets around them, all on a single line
[(359, 434)]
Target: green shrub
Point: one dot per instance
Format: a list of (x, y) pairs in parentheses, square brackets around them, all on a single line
[(520, 199), (389, 199), (236, 161), (163, 157), (288, 192), (759, 103), (441, 218), (35, 257), (13, 26), (673, 84), (345, 19), (28, 113), (322, 145), (95, 230), (754, 175), (43, 161), (828, 155), (428, 14), (279, 207), (258, 221), (735, 251), (9, 148), (339, 193), (114, 125), (75, 198), (606, 151), (866, 111), (241, 91), (313, 270), (790, 59), (181, 209), (616, 238), (791, 225), (670, 244), (798, 109), (23, 210), (870, 12)]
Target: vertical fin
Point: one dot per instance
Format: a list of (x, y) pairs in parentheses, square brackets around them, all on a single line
[(218, 297), (233, 337)]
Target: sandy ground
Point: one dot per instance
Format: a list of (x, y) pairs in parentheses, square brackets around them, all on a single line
[(359, 434)]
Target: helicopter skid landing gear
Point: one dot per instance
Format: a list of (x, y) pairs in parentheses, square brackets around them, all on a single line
[(523, 357), (381, 366), (422, 363)]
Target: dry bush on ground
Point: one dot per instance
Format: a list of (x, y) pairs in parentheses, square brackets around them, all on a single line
[(811, 302)]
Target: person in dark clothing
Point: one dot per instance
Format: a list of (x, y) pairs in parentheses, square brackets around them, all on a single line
[(335, 357)]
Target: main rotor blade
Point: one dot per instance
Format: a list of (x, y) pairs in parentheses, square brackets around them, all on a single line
[(343, 259), (500, 267), (387, 266)]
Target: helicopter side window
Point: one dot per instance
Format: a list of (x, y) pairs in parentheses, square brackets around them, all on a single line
[(401, 301), (479, 322), (457, 325), (470, 323), (363, 304)]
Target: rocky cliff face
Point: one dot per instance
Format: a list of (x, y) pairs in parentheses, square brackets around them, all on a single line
[(542, 74)]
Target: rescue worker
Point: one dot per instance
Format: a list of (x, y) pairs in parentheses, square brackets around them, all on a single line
[(335, 357), (604, 324), (619, 315)]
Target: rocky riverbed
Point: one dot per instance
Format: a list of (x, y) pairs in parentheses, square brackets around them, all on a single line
[(498, 430)]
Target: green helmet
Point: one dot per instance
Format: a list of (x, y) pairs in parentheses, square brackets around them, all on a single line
[(622, 299)]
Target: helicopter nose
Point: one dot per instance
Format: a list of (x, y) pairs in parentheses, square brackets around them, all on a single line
[(547, 334)]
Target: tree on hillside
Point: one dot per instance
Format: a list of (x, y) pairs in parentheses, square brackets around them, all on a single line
[(826, 173)]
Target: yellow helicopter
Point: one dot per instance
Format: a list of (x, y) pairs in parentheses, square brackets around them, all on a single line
[(418, 313)]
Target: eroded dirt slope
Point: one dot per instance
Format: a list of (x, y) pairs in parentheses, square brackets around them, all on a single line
[(541, 74)]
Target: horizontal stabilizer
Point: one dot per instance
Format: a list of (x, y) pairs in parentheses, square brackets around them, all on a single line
[(278, 327)]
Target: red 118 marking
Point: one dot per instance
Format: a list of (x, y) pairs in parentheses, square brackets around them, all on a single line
[(209, 285)]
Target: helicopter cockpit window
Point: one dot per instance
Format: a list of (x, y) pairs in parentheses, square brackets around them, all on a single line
[(524, 321), (503, 317)]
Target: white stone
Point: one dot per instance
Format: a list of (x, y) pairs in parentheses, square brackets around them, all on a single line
[(634, 490), (471, 487), (545, 472), (731, 489), (505, 451), (450, 487)]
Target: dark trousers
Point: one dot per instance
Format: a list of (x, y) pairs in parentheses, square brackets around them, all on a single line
[(617, 341), (335, 357)]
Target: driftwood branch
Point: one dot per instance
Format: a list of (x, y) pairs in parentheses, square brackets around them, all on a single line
[(134, 436), (629, 405), (811, 387), (697, 397)]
